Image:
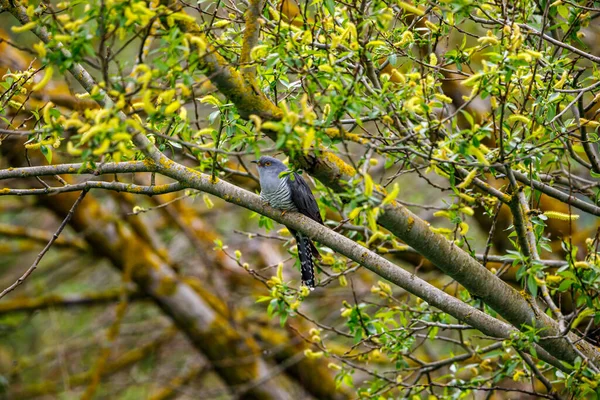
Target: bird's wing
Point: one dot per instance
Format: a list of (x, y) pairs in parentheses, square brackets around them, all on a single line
[(303, 198)]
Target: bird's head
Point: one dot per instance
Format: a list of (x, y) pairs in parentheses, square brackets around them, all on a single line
[(270, 166)]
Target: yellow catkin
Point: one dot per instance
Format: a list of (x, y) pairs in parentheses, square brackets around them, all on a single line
[(466, 197), (368, 185), (47, 76), (23, 28), (520, 118), (442, 231), (471, 80), (207, 201), (553, 278), (561, 216), (581, 265), (468, 180), (72, 150), (40, 48), (444, 214), (561, 82), (467, 210), (397, 77), (391, 195), (354, 213), (308, 139), (148, 106), (272, 126), (443, 98), (46, 112), (102, 148), (479, 155), (171, 108)]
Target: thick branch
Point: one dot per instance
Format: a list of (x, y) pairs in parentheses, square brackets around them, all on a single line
[(251, 36), (41, 236), (130, 357), (341, 244), (64, 301), (209, 332)]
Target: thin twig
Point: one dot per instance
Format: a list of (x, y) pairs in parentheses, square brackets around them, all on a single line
[(45, 250), (87, 185)]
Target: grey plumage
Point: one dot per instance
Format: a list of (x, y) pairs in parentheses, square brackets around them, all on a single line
[(291, 193)]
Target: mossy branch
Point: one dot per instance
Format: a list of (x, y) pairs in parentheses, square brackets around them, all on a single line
[(251, 37), (128, 358)]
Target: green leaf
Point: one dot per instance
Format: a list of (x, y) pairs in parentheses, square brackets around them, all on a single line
[(532, 285), (433, 332), (563, 11), (262, 299), (47, 152), (283, 318), (330, 5), (582, 315), (271, 307)]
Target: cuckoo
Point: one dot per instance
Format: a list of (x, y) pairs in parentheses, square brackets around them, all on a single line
[(290, 192)]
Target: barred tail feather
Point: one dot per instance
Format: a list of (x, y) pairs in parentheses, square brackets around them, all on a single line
[(306, 248)]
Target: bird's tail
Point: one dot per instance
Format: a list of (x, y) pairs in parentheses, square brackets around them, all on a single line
[(306, 252)]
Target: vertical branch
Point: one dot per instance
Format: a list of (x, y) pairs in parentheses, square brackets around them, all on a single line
[(250, 37), (111, 336), (588, 147), (527, 240)]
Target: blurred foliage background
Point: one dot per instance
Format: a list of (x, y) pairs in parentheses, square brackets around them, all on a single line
[(478, 117)]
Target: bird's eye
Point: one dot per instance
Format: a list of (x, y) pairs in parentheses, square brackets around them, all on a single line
[(268, 163)]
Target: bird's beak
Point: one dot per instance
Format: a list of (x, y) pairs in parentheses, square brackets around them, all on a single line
[(254, 162)]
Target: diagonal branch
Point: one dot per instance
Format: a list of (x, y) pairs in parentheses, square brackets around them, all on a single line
[(347, 247), (45, 249)]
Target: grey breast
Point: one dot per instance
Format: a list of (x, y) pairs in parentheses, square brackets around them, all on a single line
[(279, 196)]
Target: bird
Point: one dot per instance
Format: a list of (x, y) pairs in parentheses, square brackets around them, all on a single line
[(290, 192)]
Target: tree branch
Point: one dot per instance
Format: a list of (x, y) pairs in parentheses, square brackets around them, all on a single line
[(557, 194), (251, 37), (45, 249), (40, 235), (87, 185), (65, 301), (78, 168), (339, 243)]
